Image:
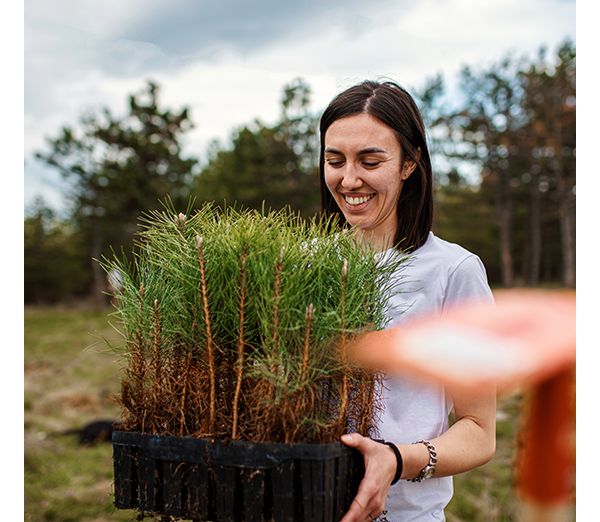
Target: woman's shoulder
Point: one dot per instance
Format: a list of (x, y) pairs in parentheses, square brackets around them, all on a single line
[(464, 273), (445, 253)]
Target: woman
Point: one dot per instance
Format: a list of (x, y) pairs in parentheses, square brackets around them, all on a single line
[(376, 174)]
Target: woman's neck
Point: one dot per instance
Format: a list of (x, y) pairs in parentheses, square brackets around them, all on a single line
[(376, 241)]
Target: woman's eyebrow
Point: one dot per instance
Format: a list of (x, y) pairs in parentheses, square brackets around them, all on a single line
[(370, 150)]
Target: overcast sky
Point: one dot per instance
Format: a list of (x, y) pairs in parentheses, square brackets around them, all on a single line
[(229, 60)]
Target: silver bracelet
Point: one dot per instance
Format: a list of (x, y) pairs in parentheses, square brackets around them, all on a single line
[(429, 469)]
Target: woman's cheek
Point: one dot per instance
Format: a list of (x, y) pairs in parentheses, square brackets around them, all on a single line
[(331, 182)]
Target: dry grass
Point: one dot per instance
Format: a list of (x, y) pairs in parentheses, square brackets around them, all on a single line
[(70, 379)]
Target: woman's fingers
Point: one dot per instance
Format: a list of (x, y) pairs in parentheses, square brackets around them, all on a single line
[(370, 498), (356, 512), (362, 507), (355, 440)]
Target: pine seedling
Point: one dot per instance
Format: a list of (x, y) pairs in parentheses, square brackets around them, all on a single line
[(242, 334)]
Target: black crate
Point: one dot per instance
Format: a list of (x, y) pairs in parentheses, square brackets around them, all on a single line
[(208, 480)]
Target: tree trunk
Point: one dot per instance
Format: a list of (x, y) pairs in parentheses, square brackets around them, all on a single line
[(535, 234), (99, 281), (504, 213), (505, 248), (526, 253), (567, 233)]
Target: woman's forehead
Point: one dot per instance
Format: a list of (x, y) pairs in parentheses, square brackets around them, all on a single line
[(358, 132)]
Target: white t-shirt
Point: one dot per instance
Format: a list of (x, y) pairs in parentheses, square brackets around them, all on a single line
[(437, 275)]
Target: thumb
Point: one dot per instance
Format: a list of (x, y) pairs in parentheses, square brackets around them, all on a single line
[(354, 440)]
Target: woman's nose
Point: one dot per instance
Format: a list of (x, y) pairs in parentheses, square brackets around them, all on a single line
[(351, 179)]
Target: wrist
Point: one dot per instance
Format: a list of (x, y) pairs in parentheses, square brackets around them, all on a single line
[(416, 457), (429, 469), (396, 461)]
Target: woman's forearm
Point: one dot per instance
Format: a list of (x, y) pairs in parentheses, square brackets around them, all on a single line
[(468, 443)]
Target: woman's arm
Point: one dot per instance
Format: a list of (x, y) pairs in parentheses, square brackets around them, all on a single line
[(468, 443)]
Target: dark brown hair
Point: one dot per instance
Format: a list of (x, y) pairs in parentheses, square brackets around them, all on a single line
[(392, 105)]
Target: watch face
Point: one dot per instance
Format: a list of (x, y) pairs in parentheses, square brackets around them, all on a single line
[(428, 472)]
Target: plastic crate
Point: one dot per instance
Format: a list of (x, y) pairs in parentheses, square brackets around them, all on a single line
[(206, 480)]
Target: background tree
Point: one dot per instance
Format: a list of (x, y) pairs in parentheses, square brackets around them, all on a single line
[(277, 164), (55, 265), (490, 127), (120, 167), (550, 104)]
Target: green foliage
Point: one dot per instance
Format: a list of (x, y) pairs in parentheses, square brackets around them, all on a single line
[(121, 167), (465, 216), (55, 267), (300, 305), (167, 267)]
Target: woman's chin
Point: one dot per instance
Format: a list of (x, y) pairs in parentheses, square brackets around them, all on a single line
[(353, 222)]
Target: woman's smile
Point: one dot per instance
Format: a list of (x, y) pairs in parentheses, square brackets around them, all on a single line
[(357, 201)]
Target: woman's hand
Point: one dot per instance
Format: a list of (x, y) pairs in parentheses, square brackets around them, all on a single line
[(380, 468)]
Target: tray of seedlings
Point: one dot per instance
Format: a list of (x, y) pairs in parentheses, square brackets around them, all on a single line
[(236, 386)]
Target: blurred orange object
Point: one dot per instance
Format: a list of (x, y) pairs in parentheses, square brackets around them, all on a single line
[(526, 336), (545, 469)]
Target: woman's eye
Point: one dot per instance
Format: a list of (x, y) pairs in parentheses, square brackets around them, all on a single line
[(335, 162), (371, 164)]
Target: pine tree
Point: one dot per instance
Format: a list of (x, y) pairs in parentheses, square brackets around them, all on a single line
[(118, 168)]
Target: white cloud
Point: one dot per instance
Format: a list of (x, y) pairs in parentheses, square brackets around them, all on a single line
[(233, 93), (465, 32)]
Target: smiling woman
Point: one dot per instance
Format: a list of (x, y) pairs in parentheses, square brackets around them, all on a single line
[(376, 176), (377, 129)]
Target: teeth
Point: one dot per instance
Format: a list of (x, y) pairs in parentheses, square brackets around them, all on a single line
[(357, 200)]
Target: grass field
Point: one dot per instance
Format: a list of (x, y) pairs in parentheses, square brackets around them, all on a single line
[(71, 377)]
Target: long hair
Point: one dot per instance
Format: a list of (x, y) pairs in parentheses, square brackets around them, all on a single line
[(392, 105)]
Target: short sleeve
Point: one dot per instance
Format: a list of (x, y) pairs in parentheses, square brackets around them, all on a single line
[(467, 282)]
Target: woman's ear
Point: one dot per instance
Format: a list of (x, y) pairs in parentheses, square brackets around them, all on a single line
[(409, 166)]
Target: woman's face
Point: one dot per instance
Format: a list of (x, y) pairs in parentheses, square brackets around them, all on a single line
[(364, 172)]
